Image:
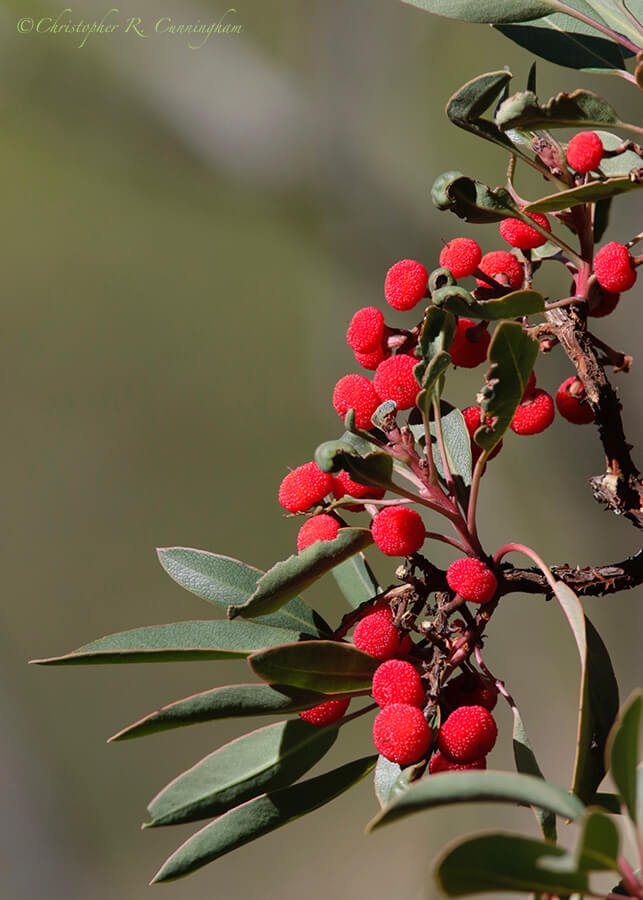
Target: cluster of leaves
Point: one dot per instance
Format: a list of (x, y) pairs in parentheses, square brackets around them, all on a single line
[(251, 786)]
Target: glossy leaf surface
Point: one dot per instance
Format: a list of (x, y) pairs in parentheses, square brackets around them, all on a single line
[(329, 667)]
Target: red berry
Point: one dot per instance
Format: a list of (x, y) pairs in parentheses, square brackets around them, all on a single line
[(356, 392), (469, 733), (518, 234), (614, 268), (396, 681), (440, 763), (394, 380), (534, 415), (470, 344), (344, 484), (472, 415), (318, 528), (502, 262), (371, 360), (471, 689), (398, 531), (303, 487), (376, 635), (585, 151), (405, 284), (472, 579), (366, 330), (401, 734), (600, 302), (326, 713), (461, 257), (572, 404)]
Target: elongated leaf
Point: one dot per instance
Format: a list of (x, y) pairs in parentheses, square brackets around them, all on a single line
[(179, 641), (607, 802), (356, 581), (513, 354), (598, 846), (485, 10), (505, 862), (587, 193), (471, 200), (466, 106), (601, 218), (386, 774), (231, 701), (527, 764), (639, 794), (511, 306), (567, 42), (264, 760), (479, 787), (374, 469), (623, 751), (432, 381), (438, 331), (623, 163), (598, 706), (260, 816), (329, 667), (227, 582), (457, 445), (581, 107), (286, 579)]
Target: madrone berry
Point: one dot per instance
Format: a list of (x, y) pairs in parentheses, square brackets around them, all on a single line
[(585, 151), (394, 380), (371, 360), (472, 417), (344, 484), (461, 257), (472, 579), (470, 344), (501, 262), (601, 302), (401, 734), (366, 330), (356, 392), (471, 689), (469, 733), (398, 531), (376, 635), (518, 234), (571, 401), (318, 528), (303, 487), (326, 713), (534, 414), (614, 268), (440, 763), (397, 681), (405, 284)]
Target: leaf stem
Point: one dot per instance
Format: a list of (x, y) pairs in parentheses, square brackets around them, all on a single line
[(614, 35), (533, 556)]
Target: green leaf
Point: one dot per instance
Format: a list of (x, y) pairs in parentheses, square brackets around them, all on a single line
[(228, 582), (488, 11), (230, 701), (471, 200), (623, 163), (478, 787), (286, 579), (179, 641), (511, 306), (506, 862), (639, 794), (567, 42), (610, 803), (457, 445), (329, 667), (598, 703), (513, 354), (261, 816), (432, 381), (264, 760), (587, 193), (374, 469), (437, 334), (527, 764), (598, 846), (386, 774), (466, 106), (601, 218), (356, 581), (622, 751), (581, 107)]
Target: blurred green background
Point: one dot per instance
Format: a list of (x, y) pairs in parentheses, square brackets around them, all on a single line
[(187, 234)]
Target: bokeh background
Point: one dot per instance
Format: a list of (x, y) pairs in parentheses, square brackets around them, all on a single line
[(187, 233)]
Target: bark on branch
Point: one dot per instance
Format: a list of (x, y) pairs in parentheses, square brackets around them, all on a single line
[(591, 581)]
